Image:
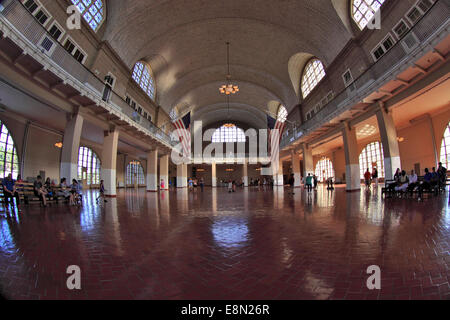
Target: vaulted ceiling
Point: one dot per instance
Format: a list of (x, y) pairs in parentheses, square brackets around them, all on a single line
[(184, 43)]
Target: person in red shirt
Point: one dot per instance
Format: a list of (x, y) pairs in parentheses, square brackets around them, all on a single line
[(367, 178)]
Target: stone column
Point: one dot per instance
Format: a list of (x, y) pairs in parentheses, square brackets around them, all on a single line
[(308, 163), (109, 161), (278, 177), (182, 175), (296, 169), (152, 171), (164, 172), (352, 171), (213, 175), (71, 146), (245, 173), (389, 141)]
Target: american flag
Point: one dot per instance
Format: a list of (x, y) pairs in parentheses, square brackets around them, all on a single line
[(272, 124), (183, 126)]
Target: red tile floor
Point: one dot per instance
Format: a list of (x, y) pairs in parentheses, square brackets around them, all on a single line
[(214, 245)]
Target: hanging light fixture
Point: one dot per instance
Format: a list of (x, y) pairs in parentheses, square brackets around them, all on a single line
[(229, 87)]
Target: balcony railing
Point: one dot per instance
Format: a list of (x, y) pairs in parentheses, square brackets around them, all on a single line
[(425, 31), (63, 63)]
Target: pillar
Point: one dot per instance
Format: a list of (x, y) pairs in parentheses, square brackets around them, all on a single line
[(164, 172), (389, 141), (71, 145), (245, 173), (352, 171), (182, 175), (296, 169), (152, 171), (278, 177), (308, 164), (213, 175), (109, 161)]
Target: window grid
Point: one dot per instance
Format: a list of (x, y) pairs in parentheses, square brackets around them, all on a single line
[(313, 74), (324, 169), (92, 11), (135, 171), (445, 148), (372, 156), (228, 134), (282, 114), (89, 160), (142, 76), (9, 161), (364, 10)]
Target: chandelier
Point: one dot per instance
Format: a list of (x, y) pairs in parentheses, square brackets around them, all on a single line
[(229, 88)]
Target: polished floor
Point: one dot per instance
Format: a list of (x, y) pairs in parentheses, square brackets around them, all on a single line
[(254, 244)]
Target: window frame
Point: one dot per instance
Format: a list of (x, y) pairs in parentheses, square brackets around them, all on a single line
[(94, 173), (134, 164), (76, 47), (445, 146), (103, 17), (152, 79), (382, 172), (408, 28), (226, 136), (381, 44), (310, 62), (14, 153), (353, 18), (63, 31)]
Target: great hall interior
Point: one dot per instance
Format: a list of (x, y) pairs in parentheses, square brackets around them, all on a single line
[(151, 110)]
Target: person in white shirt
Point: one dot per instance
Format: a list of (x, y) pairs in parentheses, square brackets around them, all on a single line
[(403, 182), (412, 182)]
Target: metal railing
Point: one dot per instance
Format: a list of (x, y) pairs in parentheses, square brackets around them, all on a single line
[(22, 21), (436, 19)]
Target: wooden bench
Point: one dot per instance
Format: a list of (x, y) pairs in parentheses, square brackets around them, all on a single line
[(26, 193)]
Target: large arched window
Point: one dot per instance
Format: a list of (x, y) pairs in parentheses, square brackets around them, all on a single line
[(9, 161), (228, 133), (135, 173), (372, 157), (143, 76), (93, 11), (364, 10), (324, 169), (88, 166), (282, 114), (314, 72), (445, 148)]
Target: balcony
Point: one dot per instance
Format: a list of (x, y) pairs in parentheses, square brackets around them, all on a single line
[(427, 33), (17, 24)]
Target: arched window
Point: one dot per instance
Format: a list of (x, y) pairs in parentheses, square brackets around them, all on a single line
[(92, 11), (324, 169), (143, 76), (314, 72), (135, 173), (228, 133), (282, 114), (364, 10), (88, 166), (372, 157), (9, 161), (445, 148)]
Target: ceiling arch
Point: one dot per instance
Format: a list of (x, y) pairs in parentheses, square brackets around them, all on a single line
[(185, 45)]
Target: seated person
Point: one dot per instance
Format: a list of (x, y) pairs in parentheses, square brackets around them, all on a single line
[(75, 190), (435, 180), (413, 182), (49, 187), (9, 191), (426, 184), (64, 192), (391, 186), (403, 182), (40, 191)]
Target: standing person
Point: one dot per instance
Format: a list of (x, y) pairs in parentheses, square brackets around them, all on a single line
[(102, 192), (163, 184), (315, 181), (442, 173), (367, 177), (191, 184), (40, 191), (375, 176), (202, 184), (10, 192), (230, 186), (292, 183), (309, 182), (76, 192)]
